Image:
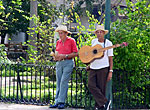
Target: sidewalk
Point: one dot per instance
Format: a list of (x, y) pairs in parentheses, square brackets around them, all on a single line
[(7, 106)]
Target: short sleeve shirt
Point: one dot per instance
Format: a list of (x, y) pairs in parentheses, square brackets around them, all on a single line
[(104, 61), (67, 47)]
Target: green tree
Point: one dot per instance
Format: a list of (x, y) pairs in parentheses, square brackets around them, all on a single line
[(12, 18), (134, 30), (39, 53), (135, 59), (15, 17)]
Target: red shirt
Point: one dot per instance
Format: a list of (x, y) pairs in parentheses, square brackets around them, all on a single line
[(69, 46)]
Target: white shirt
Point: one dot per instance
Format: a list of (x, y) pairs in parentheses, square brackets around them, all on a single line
[(104, 61)]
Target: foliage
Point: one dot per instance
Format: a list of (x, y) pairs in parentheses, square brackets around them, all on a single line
[(84, 35), (134, 59), (130, 94), (3, 55), (47, 11), (15, 17), (38, 52), (12, 14), (134, 30), (41, 46), (76, 7)]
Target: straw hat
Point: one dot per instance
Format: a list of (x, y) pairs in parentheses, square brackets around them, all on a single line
[(100, 27), (62, 28)]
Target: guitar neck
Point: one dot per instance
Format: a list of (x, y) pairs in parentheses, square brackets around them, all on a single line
[(106, 48)]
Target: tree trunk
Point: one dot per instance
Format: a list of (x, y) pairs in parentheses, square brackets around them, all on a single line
[(33, 11)]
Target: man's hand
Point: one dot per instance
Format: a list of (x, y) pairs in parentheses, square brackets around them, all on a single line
[(88, 68), (109, 76), (59, 57)]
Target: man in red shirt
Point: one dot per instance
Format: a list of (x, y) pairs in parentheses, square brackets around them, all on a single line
[(66, 50)]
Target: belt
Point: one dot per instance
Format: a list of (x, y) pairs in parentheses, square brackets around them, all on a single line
[(66, 59)]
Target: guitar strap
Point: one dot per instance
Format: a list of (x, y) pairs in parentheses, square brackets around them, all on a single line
[(104, 42)]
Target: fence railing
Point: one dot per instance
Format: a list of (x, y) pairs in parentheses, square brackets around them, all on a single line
[(35, 84)]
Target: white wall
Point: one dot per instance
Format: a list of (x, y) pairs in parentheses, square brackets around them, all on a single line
[(20, 37)]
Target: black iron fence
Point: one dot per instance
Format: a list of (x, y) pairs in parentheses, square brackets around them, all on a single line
[(34, 84)]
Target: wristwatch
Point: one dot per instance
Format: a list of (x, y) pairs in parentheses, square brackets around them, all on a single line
[(66, 56), (110, 70)]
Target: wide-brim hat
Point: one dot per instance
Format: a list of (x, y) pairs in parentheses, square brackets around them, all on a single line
[(101, 27), (62, 28)]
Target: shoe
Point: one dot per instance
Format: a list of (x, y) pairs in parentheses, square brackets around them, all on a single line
[(107, 105), (100, 108), (61, 106), (53, 106), (96, 108)]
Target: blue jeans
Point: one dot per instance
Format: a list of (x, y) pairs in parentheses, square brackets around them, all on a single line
[(63, 75)]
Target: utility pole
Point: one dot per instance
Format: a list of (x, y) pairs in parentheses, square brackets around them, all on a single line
[(107, 27), (107, 17)]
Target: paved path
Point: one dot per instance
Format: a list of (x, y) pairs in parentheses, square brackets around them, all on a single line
[(6, 106)]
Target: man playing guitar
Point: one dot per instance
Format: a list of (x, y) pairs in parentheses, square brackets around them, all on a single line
[(100, 70)]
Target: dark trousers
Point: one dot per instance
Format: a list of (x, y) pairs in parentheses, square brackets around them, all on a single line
[(97, 80)]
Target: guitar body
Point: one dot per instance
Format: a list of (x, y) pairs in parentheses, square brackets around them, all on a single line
[(88, 54)]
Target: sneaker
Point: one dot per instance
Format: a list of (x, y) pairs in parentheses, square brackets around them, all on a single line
[(53, 106), (100, 108), (107, 105), (61, 106)]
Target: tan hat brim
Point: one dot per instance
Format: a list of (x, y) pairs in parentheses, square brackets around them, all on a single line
[(63, 30), (106, 31)]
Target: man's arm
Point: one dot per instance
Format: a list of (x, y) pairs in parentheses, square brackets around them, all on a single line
[(59, 57), (111, 68), (72, 55)]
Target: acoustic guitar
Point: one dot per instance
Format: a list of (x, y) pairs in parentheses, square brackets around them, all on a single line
[(88, 54)]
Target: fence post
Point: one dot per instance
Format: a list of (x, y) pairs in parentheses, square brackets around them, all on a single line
[(19, 84)]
